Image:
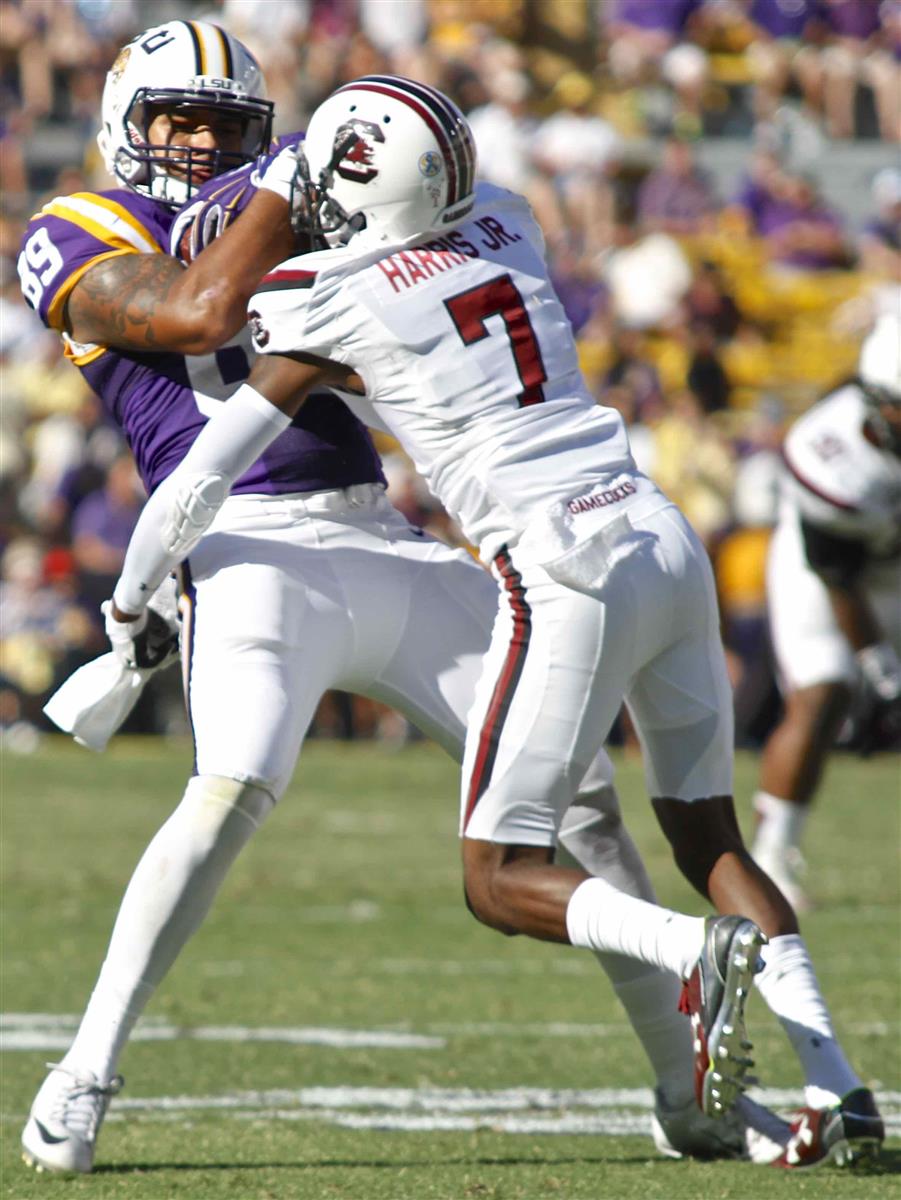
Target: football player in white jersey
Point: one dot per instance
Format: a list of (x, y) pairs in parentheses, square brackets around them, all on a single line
[(833, 590), (435, 292), (179, 100)]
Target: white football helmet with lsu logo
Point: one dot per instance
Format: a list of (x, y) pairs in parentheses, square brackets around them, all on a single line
[(176, 67), (388, 158)]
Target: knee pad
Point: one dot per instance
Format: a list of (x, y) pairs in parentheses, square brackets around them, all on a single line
[(192, 509), (213, 800)]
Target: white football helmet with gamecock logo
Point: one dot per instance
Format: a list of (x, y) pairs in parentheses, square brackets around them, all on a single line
[(177, 67), (390, 158)]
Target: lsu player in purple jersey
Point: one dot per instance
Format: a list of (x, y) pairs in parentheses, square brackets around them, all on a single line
[(435, 291), (310, 579)]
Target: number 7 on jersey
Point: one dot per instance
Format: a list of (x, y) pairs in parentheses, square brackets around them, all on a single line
[(500, 297)]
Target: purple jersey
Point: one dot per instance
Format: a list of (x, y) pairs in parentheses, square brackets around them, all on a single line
[(851, 18), (771, 214), (662, 16), (783, 18), (162, 401)]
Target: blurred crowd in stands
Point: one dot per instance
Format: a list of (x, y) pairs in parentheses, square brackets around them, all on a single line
[(708, 317)]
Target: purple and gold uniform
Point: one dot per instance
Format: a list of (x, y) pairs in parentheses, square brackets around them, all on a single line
[(309, 579), (162, 401)]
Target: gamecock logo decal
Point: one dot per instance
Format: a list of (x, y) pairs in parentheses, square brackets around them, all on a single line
[(356, 165)]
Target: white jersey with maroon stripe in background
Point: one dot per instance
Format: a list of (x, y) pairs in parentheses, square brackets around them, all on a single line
[(838, 479), (839, 521)]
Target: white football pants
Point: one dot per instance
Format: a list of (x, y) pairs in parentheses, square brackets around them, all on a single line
[(562, 660), (810, 647)]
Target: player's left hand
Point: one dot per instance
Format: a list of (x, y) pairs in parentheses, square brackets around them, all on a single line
[(288, 175), (150, 641), (278, 175)]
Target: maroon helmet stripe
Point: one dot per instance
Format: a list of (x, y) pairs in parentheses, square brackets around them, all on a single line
[(453, 182), (453, 122), (450, 117), (505, 688)]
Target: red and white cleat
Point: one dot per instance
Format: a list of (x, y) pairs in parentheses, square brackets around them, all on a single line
[(850, 1133), (714, 997)]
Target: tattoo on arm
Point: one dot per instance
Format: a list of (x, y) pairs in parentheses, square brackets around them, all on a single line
[(122, 301)]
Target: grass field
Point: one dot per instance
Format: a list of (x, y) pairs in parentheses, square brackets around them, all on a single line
[(341, 1027)]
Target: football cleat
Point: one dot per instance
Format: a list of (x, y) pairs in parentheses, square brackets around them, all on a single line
[(766, 1133), (748, 1131), (713, 997), (686, 1132), (61, 1131), (849, 1134)]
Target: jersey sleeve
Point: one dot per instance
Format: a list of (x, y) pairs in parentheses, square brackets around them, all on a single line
[(517, 207), (283, 313), (67, 237)]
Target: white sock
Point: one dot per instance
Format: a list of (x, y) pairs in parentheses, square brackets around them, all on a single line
[(650, 998), (600, 917), (594, 834), (168, 896), (781, 824), (789, 985)]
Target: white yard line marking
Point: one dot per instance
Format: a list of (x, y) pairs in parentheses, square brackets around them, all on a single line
[(53, 1031), (571, 965), (598, 1111), (610, 1124), (610, 1111), (38, 1031)]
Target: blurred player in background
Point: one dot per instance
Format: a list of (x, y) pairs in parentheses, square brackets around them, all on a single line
[(834, 594), (311, 579), (436, 293)]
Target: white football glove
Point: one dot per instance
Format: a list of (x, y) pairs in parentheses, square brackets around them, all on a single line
[(151, 641), (278, 176), (288, 175), (881, 669)]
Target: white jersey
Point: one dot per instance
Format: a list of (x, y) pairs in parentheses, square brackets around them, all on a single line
[(839, 483), (838, 480), (468, 359)]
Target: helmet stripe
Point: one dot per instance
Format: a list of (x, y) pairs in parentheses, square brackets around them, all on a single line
[(452, 120), (211, 47), (199, 56), (458, 131), (226, 52), (444, 123)]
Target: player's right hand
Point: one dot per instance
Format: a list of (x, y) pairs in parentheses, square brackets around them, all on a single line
[(150, 641)]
